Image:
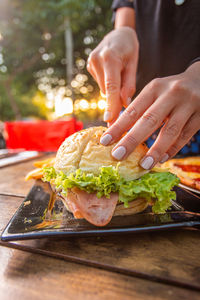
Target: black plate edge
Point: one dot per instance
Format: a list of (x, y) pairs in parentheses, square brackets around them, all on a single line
[(85, 233)]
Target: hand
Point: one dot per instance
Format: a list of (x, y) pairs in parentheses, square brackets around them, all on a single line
[(113, 65), (172, 101)]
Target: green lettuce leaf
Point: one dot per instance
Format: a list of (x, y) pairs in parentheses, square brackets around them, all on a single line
[(156, 186)]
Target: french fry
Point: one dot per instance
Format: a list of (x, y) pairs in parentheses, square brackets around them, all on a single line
[(45, 163), (34, 174), (38, 172)]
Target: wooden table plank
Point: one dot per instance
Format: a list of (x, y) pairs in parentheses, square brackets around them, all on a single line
[(173, 254), (178, 261), (31, 276), (12, 177), (8, 206)]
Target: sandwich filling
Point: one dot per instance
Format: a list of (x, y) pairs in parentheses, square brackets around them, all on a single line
[(97, 211), (94, 197)]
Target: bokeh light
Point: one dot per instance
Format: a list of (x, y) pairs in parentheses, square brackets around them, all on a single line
[(74, 83), (46, 36), (102, 104), (83, 90), (63, 106), (93, 105), (84, 105)]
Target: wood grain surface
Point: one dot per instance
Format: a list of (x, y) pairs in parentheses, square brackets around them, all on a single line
[(12, 177), (26, 274), (166, 255), (8, 206), (31, 276)]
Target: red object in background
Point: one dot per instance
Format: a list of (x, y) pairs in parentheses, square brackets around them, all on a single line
[(39, 135)]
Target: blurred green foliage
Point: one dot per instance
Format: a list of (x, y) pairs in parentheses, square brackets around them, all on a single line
[(32, 48)]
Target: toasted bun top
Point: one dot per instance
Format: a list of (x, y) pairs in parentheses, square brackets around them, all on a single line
[(83, 150)]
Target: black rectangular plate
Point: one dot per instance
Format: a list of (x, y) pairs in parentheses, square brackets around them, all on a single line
[(43, 214)]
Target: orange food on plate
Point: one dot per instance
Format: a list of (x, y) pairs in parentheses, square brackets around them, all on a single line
[(187, 169), (38, 172)]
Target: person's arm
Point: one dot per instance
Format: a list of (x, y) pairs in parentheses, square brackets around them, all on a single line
[(113, 63), (125, 16)]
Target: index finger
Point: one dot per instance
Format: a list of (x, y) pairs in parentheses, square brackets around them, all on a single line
[(143, 128), (112, 77), (128, 118)]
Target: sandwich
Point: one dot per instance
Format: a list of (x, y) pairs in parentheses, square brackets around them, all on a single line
[(96, 187)]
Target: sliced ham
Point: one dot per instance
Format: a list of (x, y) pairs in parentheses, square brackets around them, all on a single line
[(97, 211)]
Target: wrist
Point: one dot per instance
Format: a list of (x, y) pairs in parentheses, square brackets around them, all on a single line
[(125, 17), (130, 34)]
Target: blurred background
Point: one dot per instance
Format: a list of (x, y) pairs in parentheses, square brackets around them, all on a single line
[(44, 46)]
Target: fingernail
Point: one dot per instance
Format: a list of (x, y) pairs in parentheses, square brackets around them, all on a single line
[(164, 158), (107, 116), (128, 101), (147, 163), (119, 152), (106, 139)]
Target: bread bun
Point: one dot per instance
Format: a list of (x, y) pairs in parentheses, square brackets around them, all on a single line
[(83, 150), (136, 206)]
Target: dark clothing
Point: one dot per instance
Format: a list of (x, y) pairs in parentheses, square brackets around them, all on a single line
[(169, 39), (168, 34)]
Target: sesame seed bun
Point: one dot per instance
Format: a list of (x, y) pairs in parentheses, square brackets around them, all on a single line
[(83, 150)]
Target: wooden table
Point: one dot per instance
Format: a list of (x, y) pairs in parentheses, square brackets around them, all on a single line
[(159, 265)]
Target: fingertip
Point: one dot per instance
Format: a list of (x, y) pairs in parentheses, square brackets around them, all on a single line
[(119, 153), (126, 102), (126, 96), (164, 158), (147, 162), (112, 111), (106, 139), (107, 117)]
